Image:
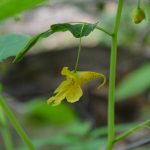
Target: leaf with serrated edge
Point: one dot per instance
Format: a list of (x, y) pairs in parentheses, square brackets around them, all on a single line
[(74, 29)]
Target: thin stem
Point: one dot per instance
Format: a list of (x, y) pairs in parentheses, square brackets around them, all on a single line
[(118, 17), (139, 4), (5, 131), (16, 124), (97, 27), (111, 99), (132, 130), (79, 48)]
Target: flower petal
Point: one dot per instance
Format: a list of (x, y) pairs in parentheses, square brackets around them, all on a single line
[(64, 71), (62, 86), (69, 74), (51, 99), (72, 77), (74, 95), (87, 76), (58, 101), (58, 98)]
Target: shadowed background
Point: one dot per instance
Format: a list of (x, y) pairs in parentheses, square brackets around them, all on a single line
[(28, 84)]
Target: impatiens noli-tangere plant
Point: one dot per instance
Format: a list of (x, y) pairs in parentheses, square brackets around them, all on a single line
[(70, 89)]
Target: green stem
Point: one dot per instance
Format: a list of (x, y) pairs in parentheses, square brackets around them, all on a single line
[(79, 48), (139, 4), (122, 136), (5, 131), (111, 99), (97, 27), (16, 124)]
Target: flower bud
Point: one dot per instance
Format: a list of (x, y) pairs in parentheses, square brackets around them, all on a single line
[(138, 15)]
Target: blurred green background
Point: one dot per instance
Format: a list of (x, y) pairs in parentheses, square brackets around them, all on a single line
[(28, 84)]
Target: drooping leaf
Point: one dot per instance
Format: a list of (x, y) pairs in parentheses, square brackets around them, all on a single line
[(46, 34), (30, 44), (74, 29), (10, 44), (136, 83), (12, 7)]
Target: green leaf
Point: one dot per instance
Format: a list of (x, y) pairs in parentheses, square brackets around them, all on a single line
[(137, 82), (1, 1), (61, 139), (88, 144), (74, 29), (70, 142), (79, 128), (10, 44), (12, 7), (46, 34), (30, 44), (40, 113)]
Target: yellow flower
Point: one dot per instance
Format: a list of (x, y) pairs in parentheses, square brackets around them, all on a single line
[(71, 88)]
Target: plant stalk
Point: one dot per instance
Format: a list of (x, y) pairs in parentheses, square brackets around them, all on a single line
[(111, 99), (16, 124), (79, 49), (139, 4), (132, 130), (5, 131)]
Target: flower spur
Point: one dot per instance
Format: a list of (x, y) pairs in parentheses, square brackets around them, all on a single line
[(71, 88)]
